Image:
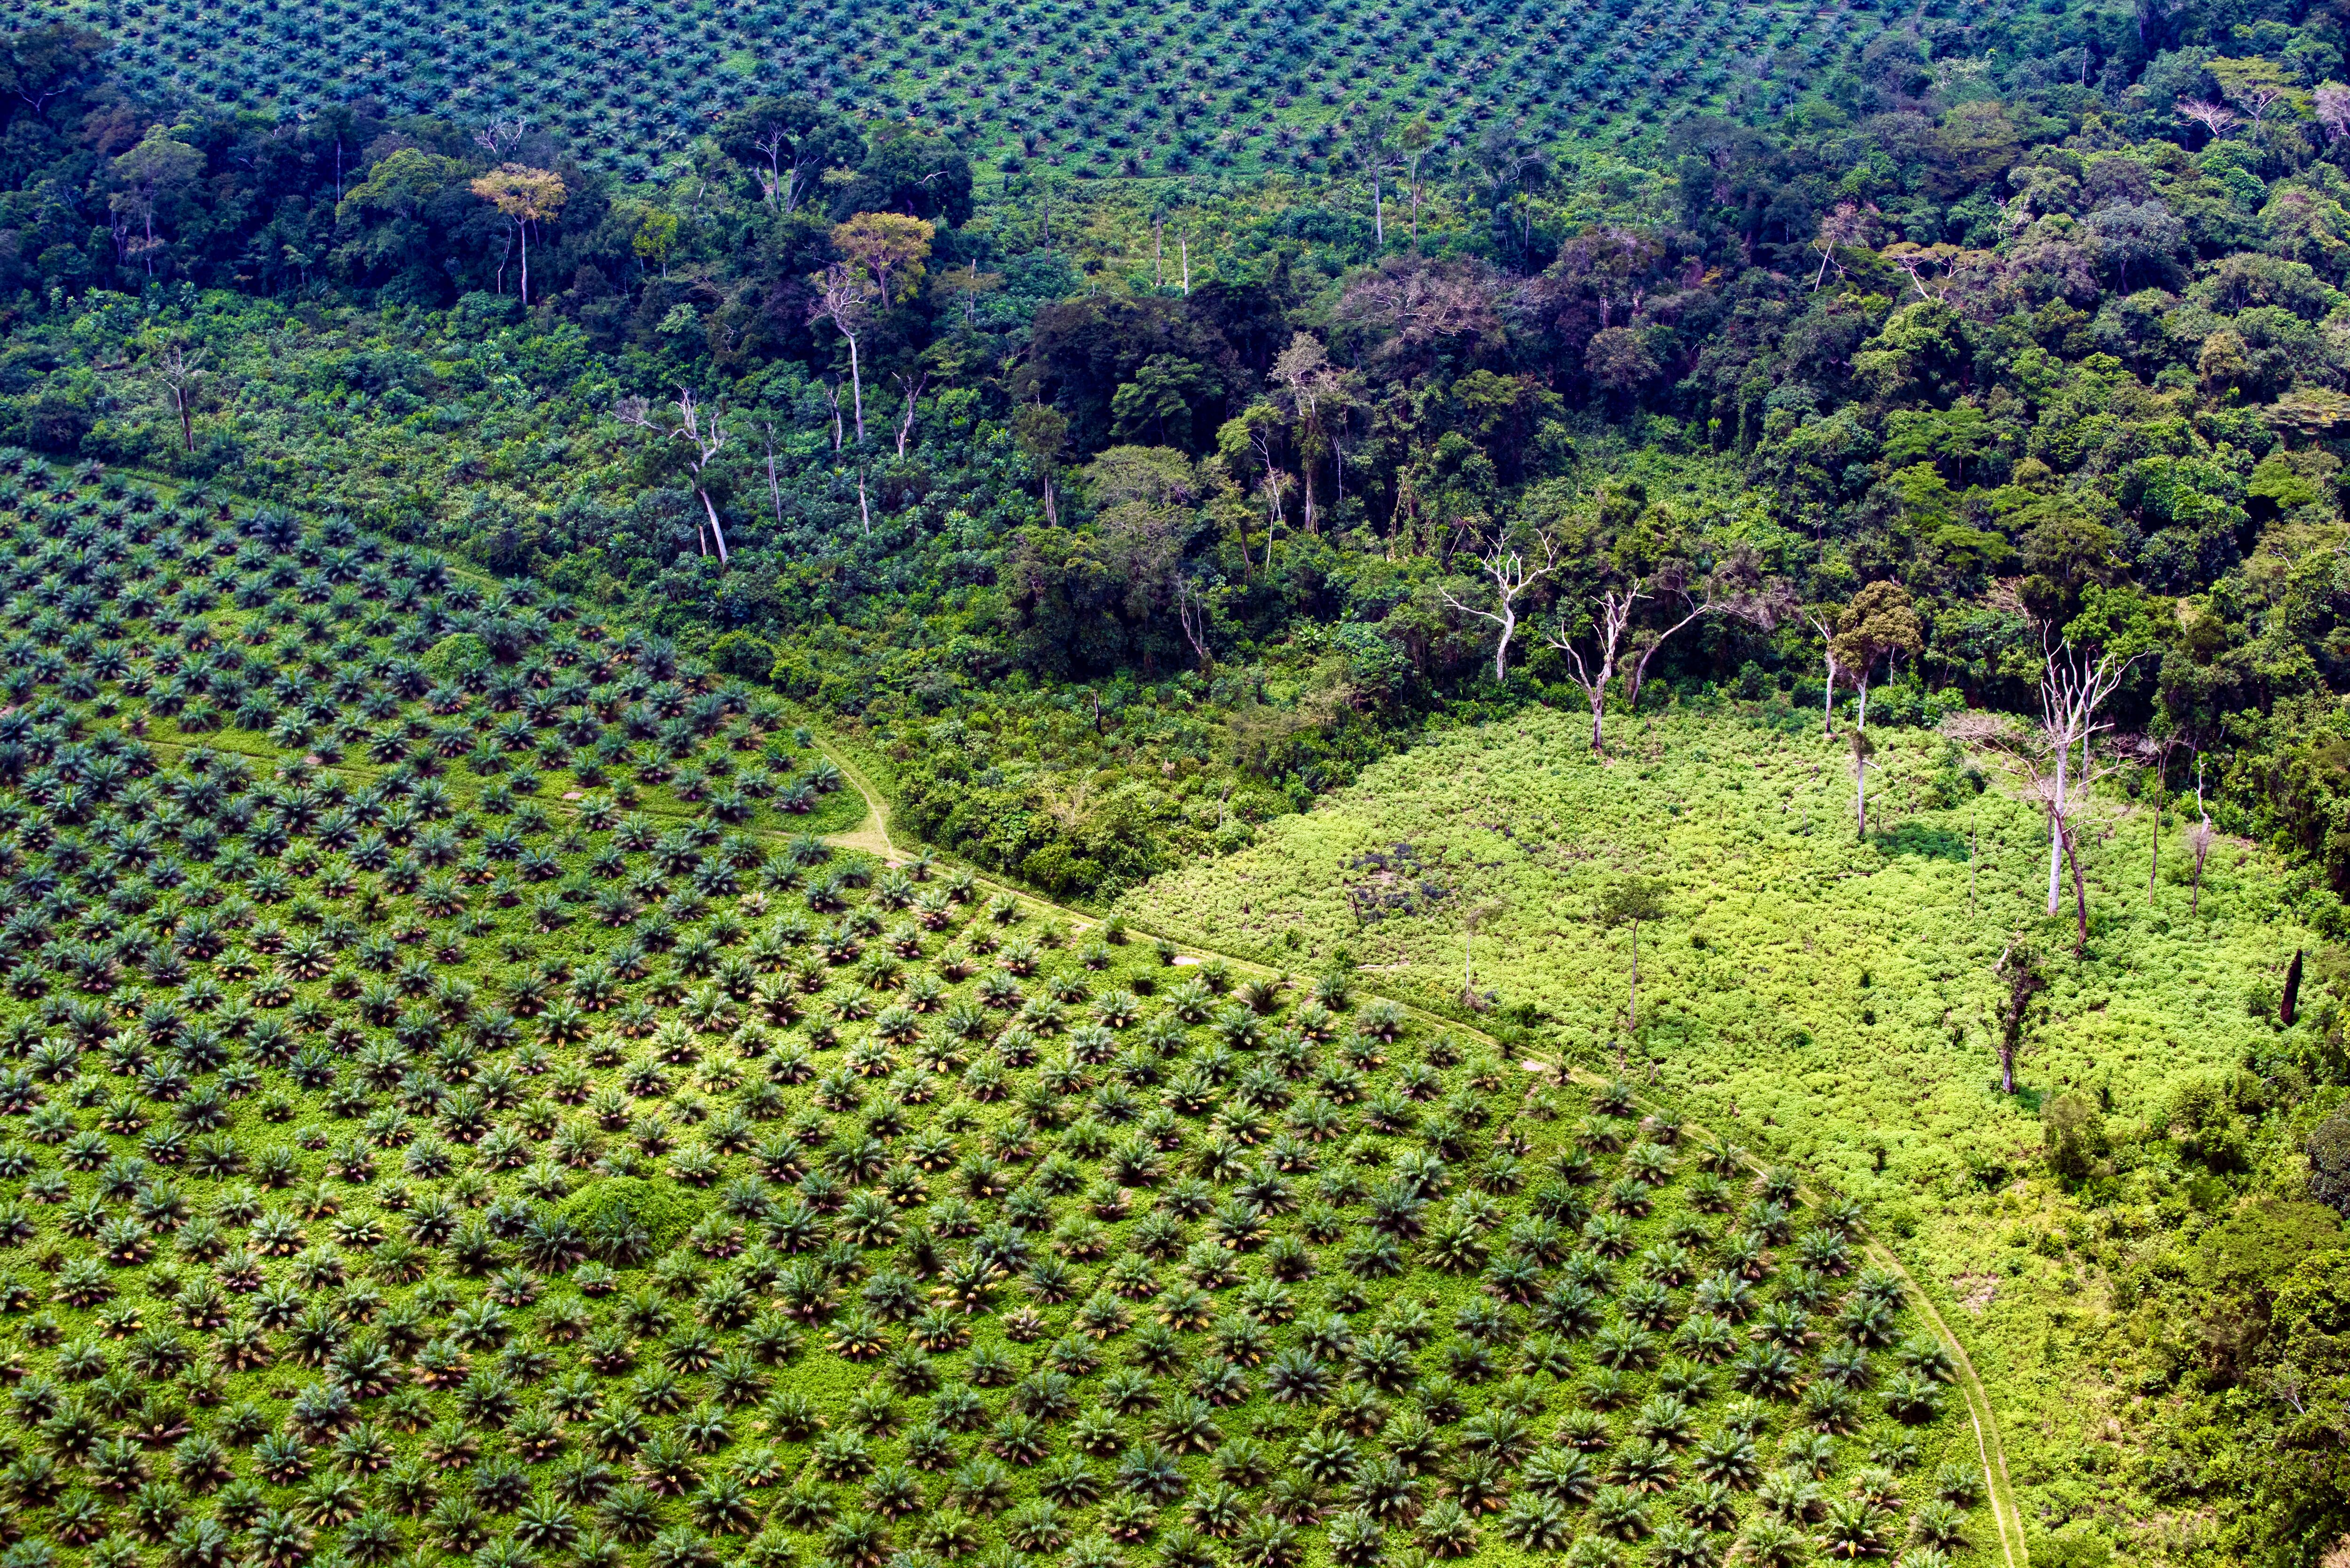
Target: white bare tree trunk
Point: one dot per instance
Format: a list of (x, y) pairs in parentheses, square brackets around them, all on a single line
[(856, 386), (1614, 615), (2056, 823), (716, 531)]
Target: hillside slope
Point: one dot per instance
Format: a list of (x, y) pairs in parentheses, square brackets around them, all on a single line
[(1834, 1003)]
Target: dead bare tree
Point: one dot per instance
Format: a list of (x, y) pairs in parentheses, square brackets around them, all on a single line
[(774, 488), (703, 433), (1734, 588), (2073, 687), (2216, 119), (1847, 225), (832, 397), (1822, 620), (2038, 757), (913, 389), (1606, 633), (845, 296), (177, 370), (1595, 644), (2199, 839), (1191, 615), (1513, 561), (499, 138)]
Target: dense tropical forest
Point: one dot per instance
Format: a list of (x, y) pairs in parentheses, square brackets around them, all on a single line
[(1096, 788)]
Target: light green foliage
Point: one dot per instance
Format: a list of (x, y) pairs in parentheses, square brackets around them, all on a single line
[(1808, 978), (645, 1210), (665, 1212)]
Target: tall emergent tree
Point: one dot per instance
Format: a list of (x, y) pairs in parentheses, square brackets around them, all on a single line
[(155, 171), (788, 143), (1880, 621), (1628, 902), (527, 197), (881, 264)]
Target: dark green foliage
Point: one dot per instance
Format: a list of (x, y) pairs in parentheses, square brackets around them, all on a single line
[(2073, 1135), (2329, 1162)]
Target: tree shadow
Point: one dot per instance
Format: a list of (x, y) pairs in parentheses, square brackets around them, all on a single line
[(1917, 838)]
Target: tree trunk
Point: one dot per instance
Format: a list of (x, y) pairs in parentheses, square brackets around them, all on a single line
[(1598, 712), (525, 264), (1632, 1003), (856, 387), (1378, 217), (1860, 758), (2080, 894), (2056, 825), (720, 534), (187, 424), (774, 489), (2006, 1065), (1501, 649), (1860, 791)]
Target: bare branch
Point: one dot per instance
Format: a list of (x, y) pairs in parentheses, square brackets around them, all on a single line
[(1191, 615), (1505, 562), (913, 389), (702, 428), (1594, 674)]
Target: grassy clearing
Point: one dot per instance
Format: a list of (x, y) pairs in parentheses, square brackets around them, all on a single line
[(1830, 1001)]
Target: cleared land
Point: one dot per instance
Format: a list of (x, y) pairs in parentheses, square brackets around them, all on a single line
[(1831, 1002)]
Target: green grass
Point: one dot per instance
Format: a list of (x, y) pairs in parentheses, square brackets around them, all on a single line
[(1824, 1002)]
